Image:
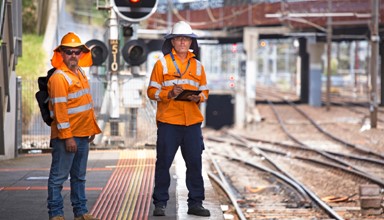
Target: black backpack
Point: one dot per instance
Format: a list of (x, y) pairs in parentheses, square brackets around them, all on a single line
[(42, 96)]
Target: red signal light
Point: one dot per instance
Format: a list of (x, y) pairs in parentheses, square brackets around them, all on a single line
[(231, 81), (234, 48), (134, 10)]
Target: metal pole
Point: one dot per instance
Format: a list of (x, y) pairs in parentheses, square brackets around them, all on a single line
[(169, 15), (114, 108), (374, 62), (329, 54), (18, 112)]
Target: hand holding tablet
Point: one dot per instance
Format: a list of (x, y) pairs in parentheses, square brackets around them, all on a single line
[(185, 93)]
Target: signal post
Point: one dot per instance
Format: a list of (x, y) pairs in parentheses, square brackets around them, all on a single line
[(124, 15)]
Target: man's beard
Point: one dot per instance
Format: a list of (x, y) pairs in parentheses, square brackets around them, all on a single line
[(72, 63)]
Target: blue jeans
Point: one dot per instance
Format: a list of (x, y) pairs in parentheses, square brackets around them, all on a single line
[(64, 164), (190, 140)]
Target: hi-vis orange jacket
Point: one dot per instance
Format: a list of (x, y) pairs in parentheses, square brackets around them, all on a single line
[(71, 105), (164, 76)]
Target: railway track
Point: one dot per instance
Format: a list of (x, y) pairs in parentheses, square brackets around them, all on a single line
[(319, 160), (334, 181), (340, 147), (262, 193)]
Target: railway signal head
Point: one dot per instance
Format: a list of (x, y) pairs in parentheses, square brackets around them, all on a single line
[(134, 10), (135, 52), (99, 51)]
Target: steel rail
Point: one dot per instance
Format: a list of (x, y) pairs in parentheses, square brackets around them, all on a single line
[(370, 160), (305, 200), (221, 175), (323, 153), (231, 197), (346, 169), (257, 151), (345, 105), (293, 183), (363, 175), (357, 147), (260, 152)]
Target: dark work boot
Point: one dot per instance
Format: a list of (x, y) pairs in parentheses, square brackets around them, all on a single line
[(198, 210), (159, 211)]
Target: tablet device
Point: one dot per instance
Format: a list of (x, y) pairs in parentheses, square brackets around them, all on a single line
[(185, 93)]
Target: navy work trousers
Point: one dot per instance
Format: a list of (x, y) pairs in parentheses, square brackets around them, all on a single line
[(190, 140)]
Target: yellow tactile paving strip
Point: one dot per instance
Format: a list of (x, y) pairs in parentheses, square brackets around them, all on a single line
[(128, 192)]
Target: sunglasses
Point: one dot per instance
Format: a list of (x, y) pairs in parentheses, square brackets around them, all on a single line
[(70, 52)]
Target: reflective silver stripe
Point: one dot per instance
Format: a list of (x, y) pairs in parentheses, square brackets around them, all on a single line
[(74, 110), (164, 64), (205, 87), (203, 95), (170, 82), (79, 109), (193, 83), (58, 71), (157, 95), (154, 84), (198, 67), (158, 87), (173, 82), (63, 125), (69, 80), (181, 82), (58, 100), (78, 94)]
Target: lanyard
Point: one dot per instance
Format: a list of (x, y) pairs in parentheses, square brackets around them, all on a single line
[(177, 67)]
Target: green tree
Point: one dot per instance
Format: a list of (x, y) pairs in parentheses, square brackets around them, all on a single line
[(29, 16), (30, 66)]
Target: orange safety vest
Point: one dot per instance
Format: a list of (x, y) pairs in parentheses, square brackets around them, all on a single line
[(164, 76), (71, 105)]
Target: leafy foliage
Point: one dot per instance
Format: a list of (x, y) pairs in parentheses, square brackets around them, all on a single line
[(29, 16), (30, 66), (86, 12)]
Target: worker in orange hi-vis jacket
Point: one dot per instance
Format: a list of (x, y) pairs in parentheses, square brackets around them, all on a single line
[(74, 126), (179, 121)]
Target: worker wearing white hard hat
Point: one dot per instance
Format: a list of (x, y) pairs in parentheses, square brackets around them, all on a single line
[(179, 120), (181, 28)]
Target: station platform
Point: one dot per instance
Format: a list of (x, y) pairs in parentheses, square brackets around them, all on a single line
[(119, 186)]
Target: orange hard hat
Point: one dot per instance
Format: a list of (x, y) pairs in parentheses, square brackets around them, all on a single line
[(72, 40)]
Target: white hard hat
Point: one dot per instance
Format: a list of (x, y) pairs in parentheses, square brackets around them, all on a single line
[(181, 28)]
